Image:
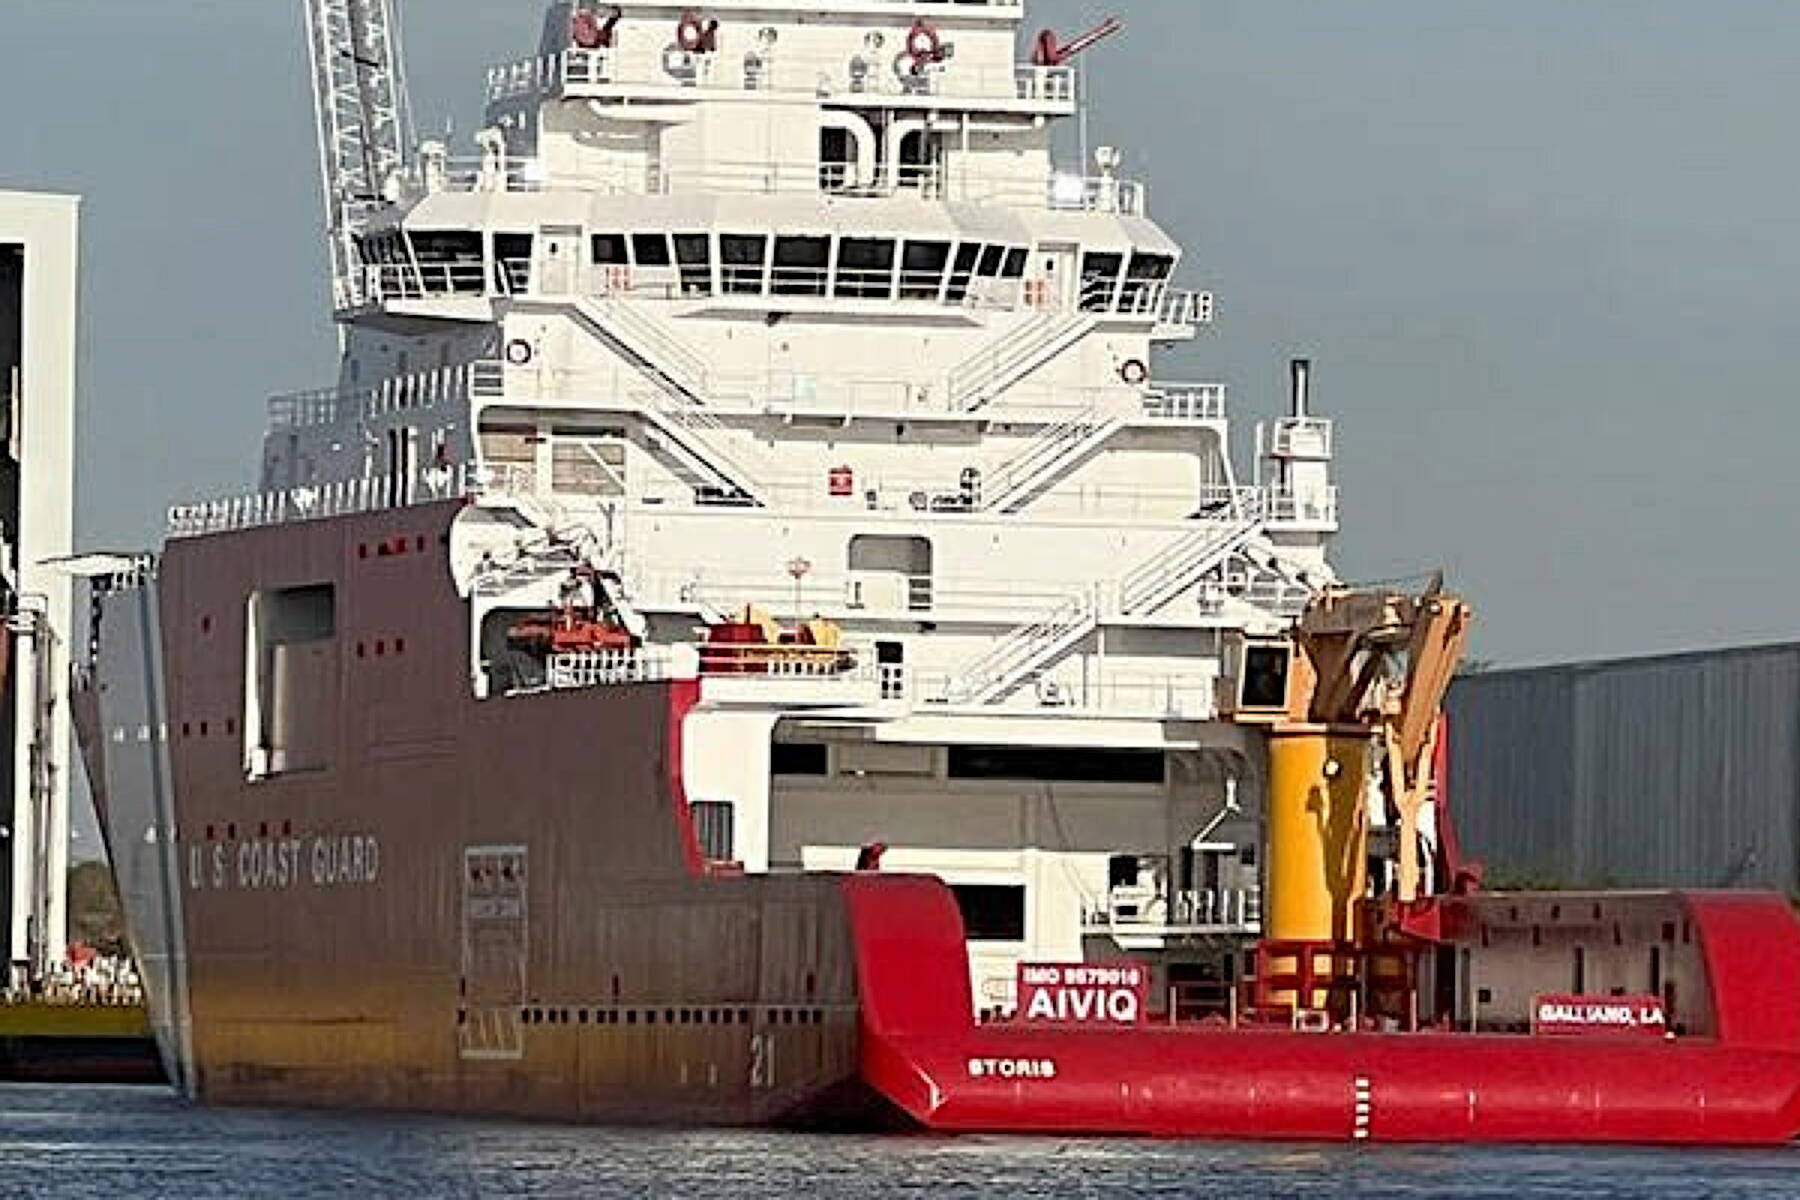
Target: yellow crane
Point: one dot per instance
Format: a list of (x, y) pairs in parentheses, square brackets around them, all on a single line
[(1366, 675)]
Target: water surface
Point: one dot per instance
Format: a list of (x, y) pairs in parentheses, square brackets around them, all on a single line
[(114, 1142)]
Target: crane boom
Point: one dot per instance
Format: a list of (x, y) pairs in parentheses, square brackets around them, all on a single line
[(359, 100)]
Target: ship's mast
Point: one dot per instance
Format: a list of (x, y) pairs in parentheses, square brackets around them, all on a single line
[(359, 99)]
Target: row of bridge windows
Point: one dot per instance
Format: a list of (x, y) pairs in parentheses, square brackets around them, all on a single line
[(438, 262)]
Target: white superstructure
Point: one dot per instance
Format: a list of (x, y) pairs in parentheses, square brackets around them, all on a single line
[(38, 294), (794, 305)]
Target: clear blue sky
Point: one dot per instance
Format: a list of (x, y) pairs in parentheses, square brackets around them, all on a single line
[(1544, 253)]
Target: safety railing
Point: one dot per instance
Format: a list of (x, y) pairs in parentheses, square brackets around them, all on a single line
[(1141, 909), (328, 406), (1058, 191), (1103, 193), (578, 69), (1278, 596), (1185, 402), (1291, 507), (610, 668), (874, 593), (1179, 310), (335, 498)]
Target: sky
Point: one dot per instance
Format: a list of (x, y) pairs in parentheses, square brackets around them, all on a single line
[(1543, 254)]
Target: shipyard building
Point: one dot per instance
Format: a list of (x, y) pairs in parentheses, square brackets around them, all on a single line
[(38, 262), (1675, 770)]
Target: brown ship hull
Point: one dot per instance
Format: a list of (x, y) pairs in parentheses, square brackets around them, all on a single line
[(465, 906)]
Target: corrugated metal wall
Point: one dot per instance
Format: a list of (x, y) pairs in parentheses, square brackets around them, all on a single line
[(1682, 770)]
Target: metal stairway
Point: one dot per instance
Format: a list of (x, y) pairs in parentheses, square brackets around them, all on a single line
[(983, 377), (677, 407), (1049, 456), (1016, 658), (1166, 575)]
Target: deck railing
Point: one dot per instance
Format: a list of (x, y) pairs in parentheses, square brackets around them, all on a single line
[(577, 70)]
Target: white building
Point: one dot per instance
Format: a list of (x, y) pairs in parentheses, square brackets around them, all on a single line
[(38, 285)]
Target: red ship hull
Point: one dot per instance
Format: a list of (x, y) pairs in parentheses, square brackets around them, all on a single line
[(1742, 1088)]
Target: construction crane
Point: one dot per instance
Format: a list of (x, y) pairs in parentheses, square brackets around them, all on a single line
[(364, 126)]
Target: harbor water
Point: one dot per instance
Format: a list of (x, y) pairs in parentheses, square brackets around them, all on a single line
[(66, 1142)]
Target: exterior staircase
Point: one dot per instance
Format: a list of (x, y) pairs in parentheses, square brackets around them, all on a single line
[(983, 377), (1017, 658), (677, 405), (1048, 458)]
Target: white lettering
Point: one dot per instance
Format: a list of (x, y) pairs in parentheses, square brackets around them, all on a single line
[(280, 864), (1012, 1068)]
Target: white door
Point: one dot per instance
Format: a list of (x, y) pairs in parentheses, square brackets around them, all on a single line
[(559, 260)]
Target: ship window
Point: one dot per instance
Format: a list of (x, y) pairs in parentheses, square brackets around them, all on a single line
[(801, 266), (799, 759), (1099, 280), (713, 822), (1140, 290), (967, 255), (836, 171), (449, 260), (865, 268), (609, 249), (650, 249), (741, 262), (1015, 263), (1056, 764), (290, 697), (512, 262), (991, 912), (922, 270), (693, 255), (992, 259)]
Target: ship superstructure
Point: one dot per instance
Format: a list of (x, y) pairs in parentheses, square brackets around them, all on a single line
[(794, 307)]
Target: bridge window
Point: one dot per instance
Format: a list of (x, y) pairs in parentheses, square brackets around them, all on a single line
[(967, 256), (865, 268), (1100, 280), (1143, 279), (609, 250), (1015, 262), (922, 267), (742, 258), (512, 262), (449, 261), (801, 265), (693, 255), (650, 250), (991, 912)]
